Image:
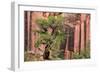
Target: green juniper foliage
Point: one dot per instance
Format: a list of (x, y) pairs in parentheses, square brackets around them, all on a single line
[(53, 40)]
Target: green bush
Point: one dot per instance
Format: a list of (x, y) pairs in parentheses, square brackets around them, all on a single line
[(83, 54), (53, 40)]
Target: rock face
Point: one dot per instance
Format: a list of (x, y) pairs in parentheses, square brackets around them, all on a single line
[(76, 24), (77, 36)]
